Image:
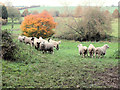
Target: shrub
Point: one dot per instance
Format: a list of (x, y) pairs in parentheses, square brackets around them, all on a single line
[(92, 26), (9, 48), (40, 25)]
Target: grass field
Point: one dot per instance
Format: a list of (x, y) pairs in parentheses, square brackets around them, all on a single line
[(65, 68)]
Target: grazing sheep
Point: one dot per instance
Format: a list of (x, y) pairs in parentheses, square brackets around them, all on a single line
[(82, 50), (46, 46), (29, 40), (42, 40), (101, 51), (21, 38), (37, 43), (55, 43), (91, 50)]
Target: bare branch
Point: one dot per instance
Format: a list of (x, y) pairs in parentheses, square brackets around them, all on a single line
[(73, 29)]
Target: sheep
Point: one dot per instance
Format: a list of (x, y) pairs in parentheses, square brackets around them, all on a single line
[(55, 43), (37, 43), (82, 50), (46, 46), (91, 50), (29, 40), (101, 51), (21, 38), (42, 40)]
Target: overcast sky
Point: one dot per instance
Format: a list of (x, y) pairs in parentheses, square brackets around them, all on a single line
[(62, 2)]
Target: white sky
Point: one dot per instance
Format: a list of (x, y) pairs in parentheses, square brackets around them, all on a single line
[(62, 2)]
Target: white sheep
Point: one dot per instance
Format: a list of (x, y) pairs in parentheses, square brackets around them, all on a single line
[(91, 50), (37, 43), (21, 38), (82, 50), (55, 43), (42, 40), (101, 51), (29, 40), (46, 46)]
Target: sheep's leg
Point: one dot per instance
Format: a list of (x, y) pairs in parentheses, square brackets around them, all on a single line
[(99, 56), (95, 55), (83, 55)]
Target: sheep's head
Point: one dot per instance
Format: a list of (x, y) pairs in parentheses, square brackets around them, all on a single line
[(43, 45), (79, 45), (32, 39), (23, 38), (106, 46)]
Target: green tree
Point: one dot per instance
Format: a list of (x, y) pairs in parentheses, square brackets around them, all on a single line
[(13, 14), (4, 12)]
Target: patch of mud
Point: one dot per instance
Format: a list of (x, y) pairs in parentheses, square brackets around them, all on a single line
[(109, 78)]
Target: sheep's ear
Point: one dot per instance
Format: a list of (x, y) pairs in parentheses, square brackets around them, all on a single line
[(48, 39)]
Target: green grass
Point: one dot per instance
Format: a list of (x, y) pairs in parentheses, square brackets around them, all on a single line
[(65, 68), (115, 28)]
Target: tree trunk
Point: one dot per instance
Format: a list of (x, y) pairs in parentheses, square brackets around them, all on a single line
[(12, 23)]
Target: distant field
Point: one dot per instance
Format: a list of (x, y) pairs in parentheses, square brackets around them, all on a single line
[(61, 9)]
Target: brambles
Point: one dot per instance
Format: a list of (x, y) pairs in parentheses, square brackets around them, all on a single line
[(40, 25)]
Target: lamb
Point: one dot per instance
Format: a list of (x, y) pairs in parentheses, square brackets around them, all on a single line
[(46, 46), (101, 51), (37, 43), (82, 50), (29, 40), (55, 43), (91, 50), (21, 38), (42, 40)]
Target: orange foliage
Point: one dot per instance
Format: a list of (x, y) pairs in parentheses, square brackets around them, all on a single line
[(39, 25)]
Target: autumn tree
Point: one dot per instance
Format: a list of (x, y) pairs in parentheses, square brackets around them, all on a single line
[(115, 13), (25, 13), (40, 25), (78, 11)]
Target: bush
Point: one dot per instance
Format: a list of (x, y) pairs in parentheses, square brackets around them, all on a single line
[(40, 25), (9, 48), (92, 26)]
